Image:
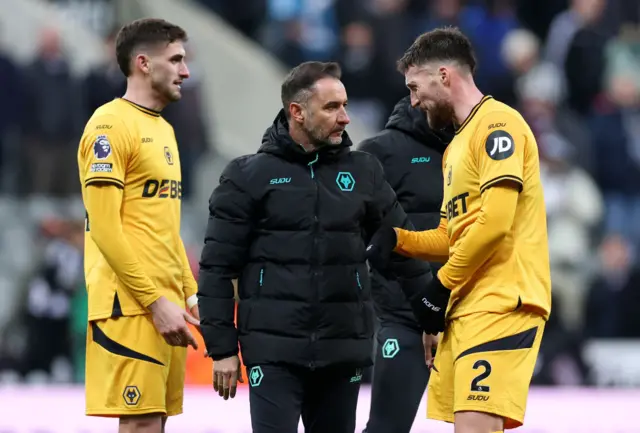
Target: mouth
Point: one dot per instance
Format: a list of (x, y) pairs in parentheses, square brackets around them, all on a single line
[(178, 83)]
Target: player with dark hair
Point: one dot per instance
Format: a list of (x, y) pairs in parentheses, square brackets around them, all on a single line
[(492, 297), (292, 222), (138, 277)]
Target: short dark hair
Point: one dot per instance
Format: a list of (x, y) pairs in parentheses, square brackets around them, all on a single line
[(441, 44), (144, 32), (297, 86)]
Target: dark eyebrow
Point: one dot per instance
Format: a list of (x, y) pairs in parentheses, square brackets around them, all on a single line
[(336, 103)]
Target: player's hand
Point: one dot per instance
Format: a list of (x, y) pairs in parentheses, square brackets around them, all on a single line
[(226, 375), (171, 322), (430, 305), (430, 343), (380, 248)]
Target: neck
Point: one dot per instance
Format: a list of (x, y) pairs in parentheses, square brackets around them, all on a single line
[(141, 94), (464, 100), (301, 138)]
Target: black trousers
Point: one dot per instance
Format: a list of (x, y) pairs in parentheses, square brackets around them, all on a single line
[(400, 378), (326, 399)]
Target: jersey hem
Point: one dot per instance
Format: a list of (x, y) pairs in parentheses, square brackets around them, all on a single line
[(109, 314), (531, 309)]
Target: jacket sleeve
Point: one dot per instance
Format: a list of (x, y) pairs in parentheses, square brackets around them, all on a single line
[(384, 210), (226, 245)]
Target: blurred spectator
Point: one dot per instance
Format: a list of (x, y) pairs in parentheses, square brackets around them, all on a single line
[(104, 82), (616, 133), (53, 101), (539, 90), (392, 35), (584, 61), (566, 24), (574, 210), (11, 111), (614, 299), (362, 72), (560, 361), (247, 17), (58, 274), (622, 54), (493, 76), (301, 30)]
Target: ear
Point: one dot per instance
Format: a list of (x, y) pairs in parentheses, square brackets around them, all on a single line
[(296, 112), (445, 75), (141, 62)]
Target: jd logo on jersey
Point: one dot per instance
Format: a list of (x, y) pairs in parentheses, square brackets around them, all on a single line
[(345, 181), (499, 145), (131, 395), (255, 376), (390, 348)]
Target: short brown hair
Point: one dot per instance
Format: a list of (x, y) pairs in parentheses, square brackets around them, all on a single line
[(297, 86), (142, 33), (442, 44)]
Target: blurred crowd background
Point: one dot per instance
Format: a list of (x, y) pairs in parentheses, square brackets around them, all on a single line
[(571, 67)]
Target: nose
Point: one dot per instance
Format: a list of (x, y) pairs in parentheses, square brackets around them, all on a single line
[(184, 72), (414, 100), (343, 117)]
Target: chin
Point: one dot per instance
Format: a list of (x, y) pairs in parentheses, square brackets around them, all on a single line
[(335, 140)]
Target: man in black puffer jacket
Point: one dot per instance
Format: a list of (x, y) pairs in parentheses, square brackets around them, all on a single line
[(411, 154), (292, 223)]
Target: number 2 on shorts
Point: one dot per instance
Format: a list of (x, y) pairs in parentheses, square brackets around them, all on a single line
[(475, 383)]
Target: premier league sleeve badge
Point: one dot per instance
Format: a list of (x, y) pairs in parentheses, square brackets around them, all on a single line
[(101, 147)]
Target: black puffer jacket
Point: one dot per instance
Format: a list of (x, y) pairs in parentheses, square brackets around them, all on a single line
[(411, 154), (293, 227)]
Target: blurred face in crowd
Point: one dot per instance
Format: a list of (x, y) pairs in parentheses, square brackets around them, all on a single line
[(429, 85), (589, 10), (615, 253), (323, 117), (166, 69)]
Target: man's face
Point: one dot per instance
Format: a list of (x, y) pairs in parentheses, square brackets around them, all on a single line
[(167, 70), (429, 87), (324, 115)]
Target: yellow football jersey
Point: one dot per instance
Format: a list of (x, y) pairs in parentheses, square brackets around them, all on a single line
[(495, 144), (134, 149)]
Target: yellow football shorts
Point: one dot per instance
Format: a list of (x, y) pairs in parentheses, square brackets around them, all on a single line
[(484, 363), (131, 370)]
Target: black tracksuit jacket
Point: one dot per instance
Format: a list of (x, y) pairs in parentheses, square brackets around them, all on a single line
[(292, 227), (411, 154)]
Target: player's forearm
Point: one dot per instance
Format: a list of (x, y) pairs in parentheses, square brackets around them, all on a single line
[(429, 245), (103, 207), (189, 285), (483, 237)]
